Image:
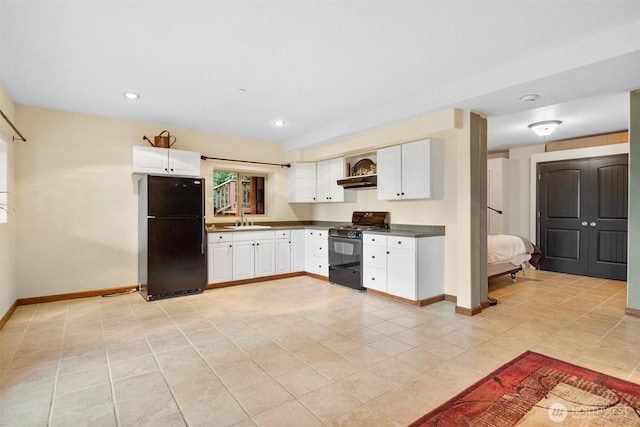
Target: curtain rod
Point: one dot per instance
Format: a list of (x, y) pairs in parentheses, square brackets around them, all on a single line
[(287, 165), (14, 128)]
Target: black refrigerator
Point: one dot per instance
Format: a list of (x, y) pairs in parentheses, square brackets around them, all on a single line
[(172, 245)]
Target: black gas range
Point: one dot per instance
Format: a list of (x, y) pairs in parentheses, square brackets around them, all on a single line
[(345, 247), (362, 221)]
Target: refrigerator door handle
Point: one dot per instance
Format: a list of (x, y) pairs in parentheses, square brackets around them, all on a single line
[(203, 240)]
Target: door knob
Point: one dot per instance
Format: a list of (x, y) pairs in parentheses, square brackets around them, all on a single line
[(593, 224), (584, 223)]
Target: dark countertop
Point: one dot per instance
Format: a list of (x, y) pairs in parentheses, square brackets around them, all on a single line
[(405, 230)]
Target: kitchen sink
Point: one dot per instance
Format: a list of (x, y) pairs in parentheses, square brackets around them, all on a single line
[(247, 227)]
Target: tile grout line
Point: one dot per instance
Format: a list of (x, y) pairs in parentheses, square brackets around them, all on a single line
[(55, 381)]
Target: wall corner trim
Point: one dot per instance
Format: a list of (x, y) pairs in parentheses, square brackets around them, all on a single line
[(8, 314)]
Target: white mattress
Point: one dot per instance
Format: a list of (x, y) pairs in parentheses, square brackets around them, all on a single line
[(506, 248)]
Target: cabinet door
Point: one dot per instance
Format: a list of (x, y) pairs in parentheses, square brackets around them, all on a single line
[(297, 250), (265, 258), (308, 250), (185, 163), (302, 183), (220, 264), (374, 256), (150, 160), (415, 179), (374, 278), (423, 169), (243, 260), (283, 256), (389, 173), (401, 273), (323, 181)]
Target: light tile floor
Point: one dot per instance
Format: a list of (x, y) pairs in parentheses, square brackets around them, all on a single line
[(298, 352)]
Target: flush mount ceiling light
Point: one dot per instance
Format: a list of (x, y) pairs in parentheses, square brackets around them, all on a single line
[(279, 123), (131, 95), (545, 128), (532, 97)]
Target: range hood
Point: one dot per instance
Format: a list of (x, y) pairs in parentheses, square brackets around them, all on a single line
[(360, 182)]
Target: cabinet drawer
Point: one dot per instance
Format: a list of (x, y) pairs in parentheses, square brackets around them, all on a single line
[(244, 236), (374, 239), (283, 234), (399, 242), (315, 233), (320, 250), (374, 278), (219, 237), (374, 256)]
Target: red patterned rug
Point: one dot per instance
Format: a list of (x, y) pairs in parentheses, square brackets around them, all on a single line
[(534, 390)]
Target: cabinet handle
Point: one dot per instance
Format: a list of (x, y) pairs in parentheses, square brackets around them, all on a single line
[(584, 223), (399, 242), (373, 256), (397, 194), (230, 246), (387, 252), (403, 194), (593, 224), (373, 278)]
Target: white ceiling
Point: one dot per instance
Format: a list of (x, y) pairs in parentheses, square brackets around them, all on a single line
[(327, 68)]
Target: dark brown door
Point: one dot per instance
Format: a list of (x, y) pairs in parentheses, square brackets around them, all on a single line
[(582, 207), (608, 211)]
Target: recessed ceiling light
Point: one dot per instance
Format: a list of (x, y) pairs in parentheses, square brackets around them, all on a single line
[(131, 95), (279, 123), (532, 97), (545, 128), (241, 90)]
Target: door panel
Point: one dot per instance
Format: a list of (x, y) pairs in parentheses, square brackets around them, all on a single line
[(583, 208), (608, 207), (562, 202)]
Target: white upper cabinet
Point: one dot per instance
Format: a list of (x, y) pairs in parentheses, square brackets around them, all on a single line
[(316, 182), (327, 189), (411, 171), (302, 183), (165, 161)]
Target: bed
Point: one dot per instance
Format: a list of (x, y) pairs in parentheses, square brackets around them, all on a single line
[(508, 254)]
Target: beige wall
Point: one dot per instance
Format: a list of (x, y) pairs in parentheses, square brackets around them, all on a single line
[(8, 280), (77, 196)]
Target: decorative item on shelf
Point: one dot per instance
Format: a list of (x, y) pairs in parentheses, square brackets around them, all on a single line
[(162, 140), (364, 167)]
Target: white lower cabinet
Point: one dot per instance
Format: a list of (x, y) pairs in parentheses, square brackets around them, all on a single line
[(243, 260), (297, 250), (265, 258), (283, 251), (406, 267), (241, 255), (316, 254), (220, 257), (374, 275)]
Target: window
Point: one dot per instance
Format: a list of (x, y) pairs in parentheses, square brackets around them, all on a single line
[(231, 195)]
